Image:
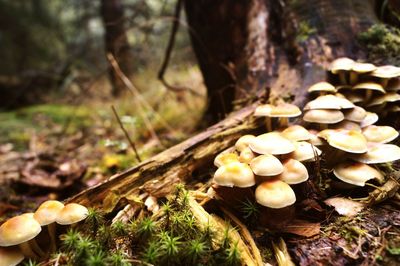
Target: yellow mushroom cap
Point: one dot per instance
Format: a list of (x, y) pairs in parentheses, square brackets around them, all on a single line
[(246, 155), (369, 86), (378, 153), (356, 173), (370, 119), (296, 133), (323, 116), (329, 102), (322, 87), (294, 172), (341, 64), (243, 142), (363, 67), (275, 194), (356, 114), (225, 158), (271, 143), (266, 165), (72, 213), (380, 134), (346, 140), (19, 229), (391, 97), (346, 124), (305, 152), (10, 256), (48, 211), (280, 110), (386, 72), (234, 174)]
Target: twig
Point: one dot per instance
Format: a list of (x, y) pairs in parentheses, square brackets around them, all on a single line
[(133, 146), (168, 51)]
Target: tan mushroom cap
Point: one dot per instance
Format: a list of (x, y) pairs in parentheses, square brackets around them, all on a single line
[(323, 116), (386, 72), (346, 124), (370, 119), (246, 155), (341, 64), (19, 229), (294, 172), (329, 102), (346, 140), (266, 165), (322, 87), (378, 153), (296, 133), (244, 142), (271, 143), (369, 86), (357, 114), (72, 213), (10, 256), (235, 174), (315, 140), (356, 173), (48, 211), (280, 110), (354, 96), (380, 134), (389, 97), (275, 194), (363, 67), (305, 152), (225, 158)]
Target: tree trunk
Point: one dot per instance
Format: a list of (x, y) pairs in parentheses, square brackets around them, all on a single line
[(116, 42)]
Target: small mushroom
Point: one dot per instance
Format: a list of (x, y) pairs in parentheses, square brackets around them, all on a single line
[(225, 158), (356, 114), (378, 153), (283, 111), (243, 142), (380, 134), (350, 141), (72, 213), (305, 152), (329, 102), (10, 256), (369, 87), (294, 172), (358, 69), (323, 117), (346, 124), (342, 66), (296, 133), (234, 174), (370, 119), (322, 88), (275, 194), (271, 143), (385, 73), (356, 173), (388, 97), (246, 155), (266, 165)]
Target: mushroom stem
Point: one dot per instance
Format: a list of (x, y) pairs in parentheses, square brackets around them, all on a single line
[(51, 228), (27, 250), (384, 83), (268, 124), (353, 77), (342, 77), (335, 156), (36, 248), (323, 126), (283, 122), (368, 95)]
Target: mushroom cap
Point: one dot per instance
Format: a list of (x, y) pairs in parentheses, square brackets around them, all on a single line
[(280, 110), (386, 72), (246, 155), (10, 256), (391, 96), (243, 142), (323, 116), (72, 213), (271, 143), (225, 158), (296, 133), (369, 86), (357, 114), (346, 124), (356, 173), (341, 64), (363, 67), (343, 87), (315, 140), (370, 119), (275, 194), (380, 134), (48, 211), (294, 172), (329, 102), (378, 153), (305, 152), (234, 174), (322, 86), (354, 96), (346, 140), (266, 165), (19, 229)]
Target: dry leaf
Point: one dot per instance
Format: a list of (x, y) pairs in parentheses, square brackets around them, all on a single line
[(345, 206)]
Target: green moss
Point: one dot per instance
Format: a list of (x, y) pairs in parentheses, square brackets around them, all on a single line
[(304, 31)]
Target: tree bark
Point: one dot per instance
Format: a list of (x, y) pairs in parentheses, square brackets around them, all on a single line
[(116, 42)]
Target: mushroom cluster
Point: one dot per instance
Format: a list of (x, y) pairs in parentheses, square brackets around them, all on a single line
[(18, 234)]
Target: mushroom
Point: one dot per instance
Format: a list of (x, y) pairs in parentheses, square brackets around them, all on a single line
[(10, 256), (388, 97), (360, 68), (243, 142), (380, 134), (329, 102), (294, 172), (346, 140), (378, 153), (356, 173), (354, 97), (322, 88), (305, 152), (246, 155), (341, 66), (266, 165), (346, 124), (356, 114), (283, 111), (47, 214), (370, 119), (234, 174), (296, 133), (369, 87), (385, 73), (21, 230), (315, 140), (225, 158), (323, 117), (271, 143), (72, 213)]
